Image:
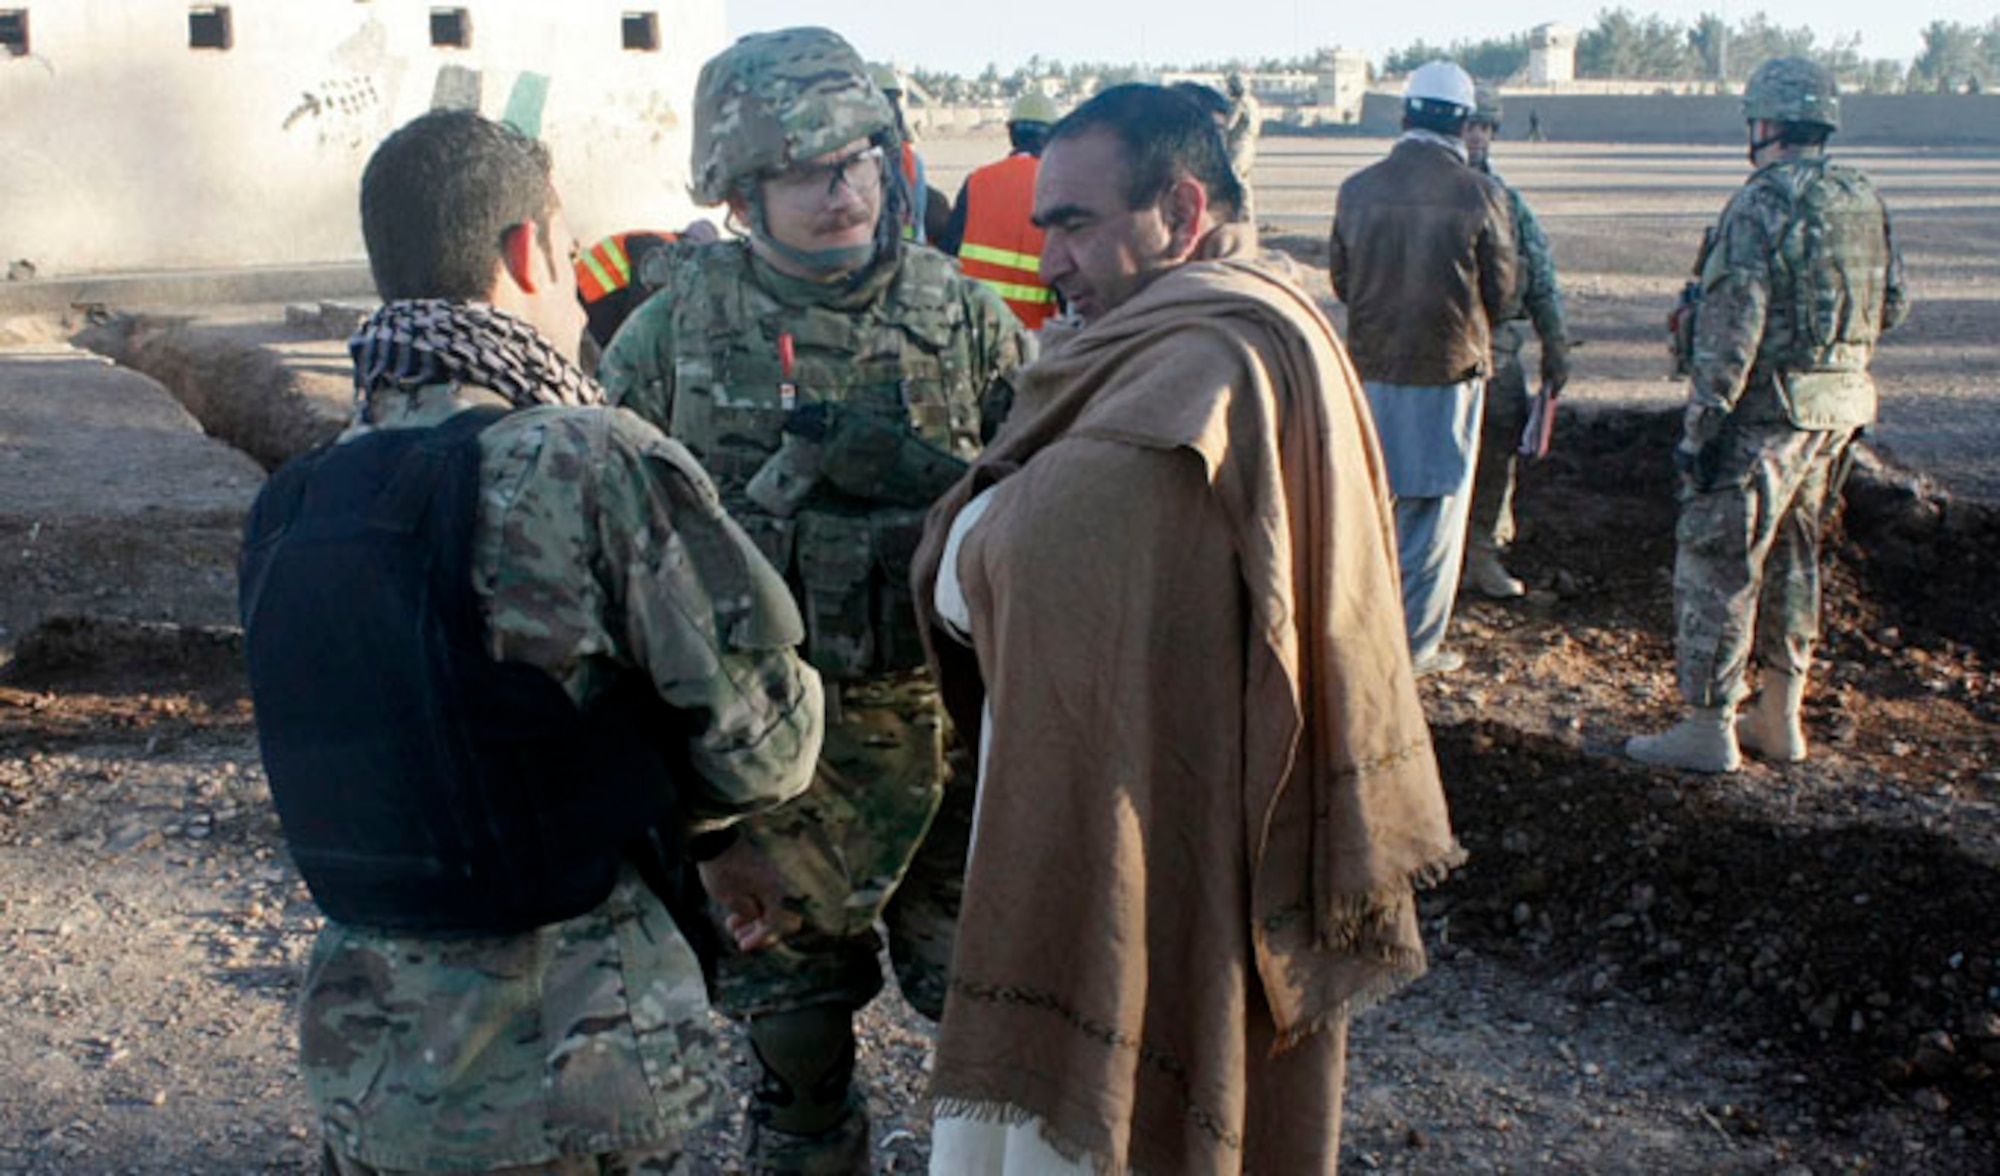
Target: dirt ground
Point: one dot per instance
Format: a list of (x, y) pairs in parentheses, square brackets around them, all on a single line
[(1793, 970)]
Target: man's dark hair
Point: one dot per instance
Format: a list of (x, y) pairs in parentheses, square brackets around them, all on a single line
[(1440, 118), (1206, 97), (1165, 134), (438, 197), (1804, 134), (1028, 136)]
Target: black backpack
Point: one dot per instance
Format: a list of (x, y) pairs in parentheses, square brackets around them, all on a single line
[(423, 786)]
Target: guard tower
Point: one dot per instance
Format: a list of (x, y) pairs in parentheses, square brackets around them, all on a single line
[(1551, 55)]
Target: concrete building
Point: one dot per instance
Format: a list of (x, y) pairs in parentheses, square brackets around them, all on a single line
[(1551, 55), (142, 134), (1343, 79)]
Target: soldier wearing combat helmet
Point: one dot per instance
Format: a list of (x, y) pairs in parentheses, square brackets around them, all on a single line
[(1796, 284), (831, 375)]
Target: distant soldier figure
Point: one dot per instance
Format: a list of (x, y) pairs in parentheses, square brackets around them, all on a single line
[(830, 374), (992, 229), (1240, 129), (1798, 281), (513, 669), (1538, 302)]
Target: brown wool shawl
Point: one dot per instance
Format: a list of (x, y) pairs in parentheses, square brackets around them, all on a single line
[(1342, 816)]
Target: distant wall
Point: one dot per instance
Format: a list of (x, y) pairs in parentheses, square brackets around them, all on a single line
[(1901, 120), (123, 148)]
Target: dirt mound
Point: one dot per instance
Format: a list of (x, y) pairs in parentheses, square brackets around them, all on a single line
[(1840, 917), (1829, 929)]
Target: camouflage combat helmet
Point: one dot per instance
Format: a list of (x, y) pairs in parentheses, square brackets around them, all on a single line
[(772, 99), (1793, 90), (1486, 107)]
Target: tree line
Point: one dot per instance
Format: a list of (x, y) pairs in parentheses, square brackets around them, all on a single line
[(1621, 45), (1627, 46)]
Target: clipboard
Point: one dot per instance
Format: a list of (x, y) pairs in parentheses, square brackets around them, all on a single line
[(1540, 430)]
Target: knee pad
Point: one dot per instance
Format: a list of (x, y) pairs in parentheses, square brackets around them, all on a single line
[(807, 1062)]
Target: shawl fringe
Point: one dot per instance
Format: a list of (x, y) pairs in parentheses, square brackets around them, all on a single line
[(1346, 919), (1377, 990)]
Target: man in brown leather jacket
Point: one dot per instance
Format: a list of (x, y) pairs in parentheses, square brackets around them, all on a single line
[(1423, 255)]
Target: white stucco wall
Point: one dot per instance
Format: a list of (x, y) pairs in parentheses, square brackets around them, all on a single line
[(123, 149)]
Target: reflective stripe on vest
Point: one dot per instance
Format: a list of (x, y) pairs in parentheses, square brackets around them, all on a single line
[(918, 186), (602, 269), (1002, 246)]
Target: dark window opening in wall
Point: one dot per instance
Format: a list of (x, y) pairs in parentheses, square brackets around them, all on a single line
[(642, 31), (14, 32), (451, 28), (208, 28)]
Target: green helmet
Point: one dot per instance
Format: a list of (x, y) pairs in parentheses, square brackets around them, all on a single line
[(1033, 106), (1485, 104), (772, 99), (1793, 90), (886, 78)]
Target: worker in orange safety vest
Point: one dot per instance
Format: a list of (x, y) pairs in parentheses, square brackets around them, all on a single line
[(618, 273), (991, 229)]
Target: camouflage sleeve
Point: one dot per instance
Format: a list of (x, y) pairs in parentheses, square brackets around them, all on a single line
[(708, 619), (637, 368), (1336, 259), (1895, 294), (1735, 299), (1497, 256), (1001, 345), (1541, 297)]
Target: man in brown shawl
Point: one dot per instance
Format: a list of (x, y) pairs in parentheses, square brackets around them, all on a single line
[(1165, 602)]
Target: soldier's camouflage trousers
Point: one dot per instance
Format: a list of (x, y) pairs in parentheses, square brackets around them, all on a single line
[(1747, 565), (854, 848), (1492, 523)]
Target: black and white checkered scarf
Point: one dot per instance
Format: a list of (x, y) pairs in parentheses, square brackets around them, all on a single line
[(415, 342)]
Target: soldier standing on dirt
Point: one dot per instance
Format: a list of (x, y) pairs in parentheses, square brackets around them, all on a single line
[(1538, 302), (507, 654), (830, 374), (1799, 280), (1241, 126)]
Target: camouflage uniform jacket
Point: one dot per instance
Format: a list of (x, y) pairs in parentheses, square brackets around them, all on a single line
[(1792, 300), (1538, 297), (600, 548), (915, 342)]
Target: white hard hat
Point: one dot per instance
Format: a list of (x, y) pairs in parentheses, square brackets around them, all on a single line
[(1441, 82)]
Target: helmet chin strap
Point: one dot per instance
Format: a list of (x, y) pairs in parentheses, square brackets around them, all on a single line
[(1757, 145)]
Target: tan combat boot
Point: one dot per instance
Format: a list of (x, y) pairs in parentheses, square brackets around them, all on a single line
[(1771, 728), (1705, 741), (1486, 573)]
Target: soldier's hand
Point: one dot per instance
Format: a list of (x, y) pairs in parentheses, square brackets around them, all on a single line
[(742, 881), (1555, 368), (813, 421)]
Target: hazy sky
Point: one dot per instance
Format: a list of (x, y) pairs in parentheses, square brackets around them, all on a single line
[(964, 35)]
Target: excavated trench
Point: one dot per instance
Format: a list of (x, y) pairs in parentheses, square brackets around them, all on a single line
[(1841, 918)]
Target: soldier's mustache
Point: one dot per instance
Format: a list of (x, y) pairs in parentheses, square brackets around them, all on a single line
[(835, 222)]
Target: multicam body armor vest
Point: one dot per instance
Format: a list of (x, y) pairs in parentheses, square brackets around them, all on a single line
[(1829, 279), (907, 353)]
